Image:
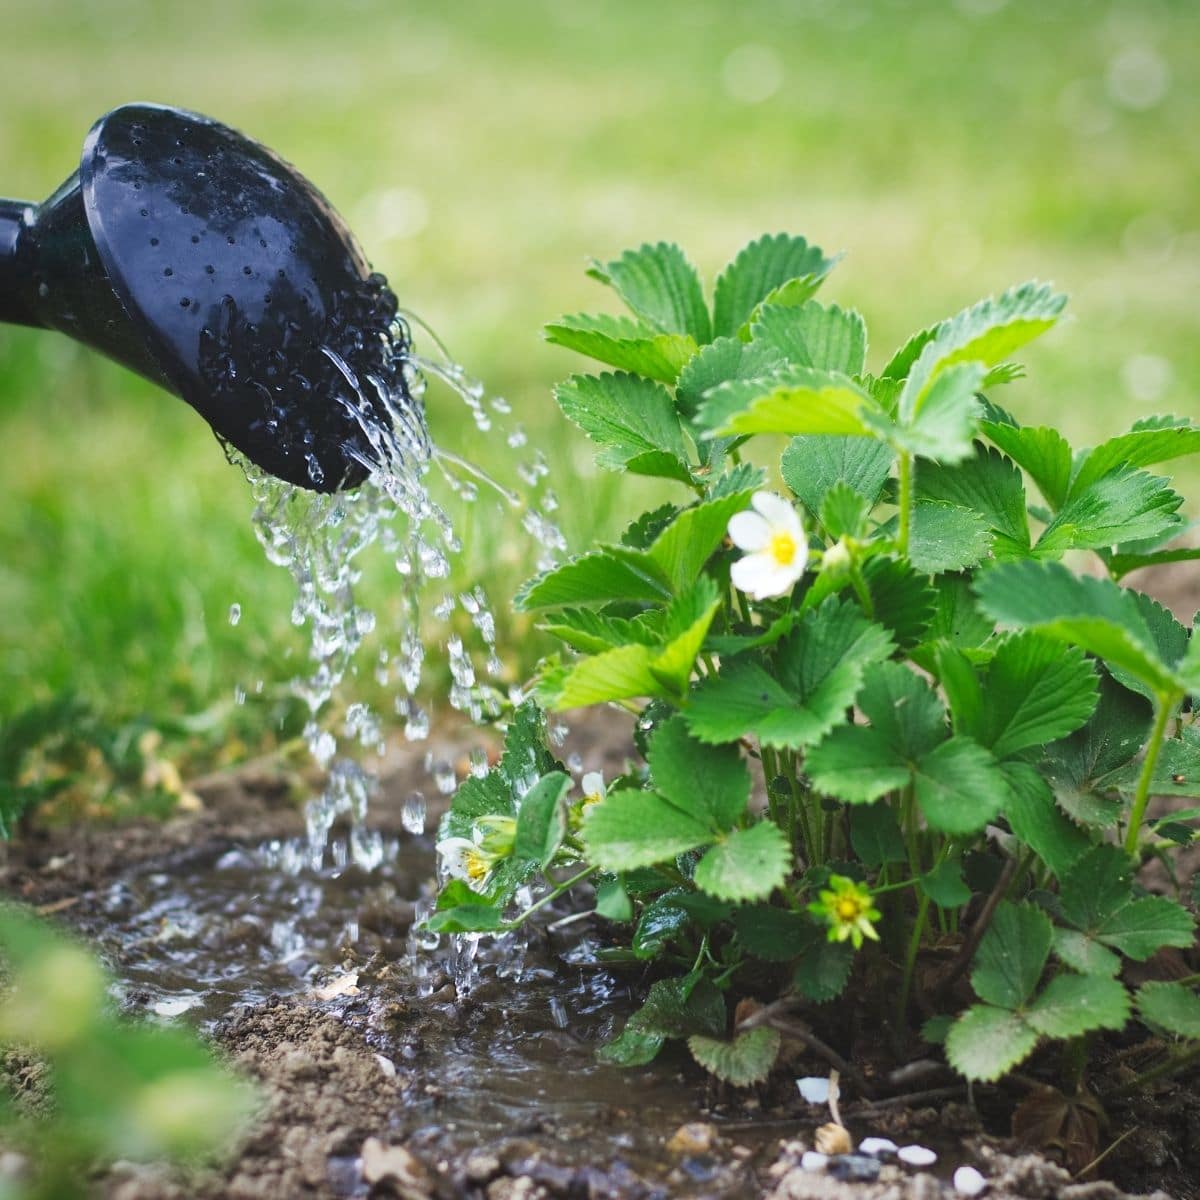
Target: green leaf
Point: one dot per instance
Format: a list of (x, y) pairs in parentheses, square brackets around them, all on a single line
[(747, 864), (811, 465), (598, 577), (957, 620), (589, 631), (794, 401), (904, 600), (1170, 1006), (622, 343), (856, 765), (1120, 565), (460, 910), (1037, 821), (612, 900), (721, 361), (947, 537), (542, 819), (681, 550), (986, 1042), (745, 1060), (1012, 954), (1124, 506), (987, 333), (987, 483), (875, 835), (1082, 954), (1176, 773), (625, 415), (632, 1048), (774, 934), (710, 782), (631, 828), (844, 512), (944, 885), (941, 422), (680, 1007), (759, 269), (813, 335), (823, 970), (1139, 448), (903, 709), (662, 922), (1094, 614), (661, 287), (1037, 692), (1072, 1005), (958, 787), (1041, 451), (818, 672)]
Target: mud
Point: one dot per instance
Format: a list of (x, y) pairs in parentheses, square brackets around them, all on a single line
[(442, 1076)]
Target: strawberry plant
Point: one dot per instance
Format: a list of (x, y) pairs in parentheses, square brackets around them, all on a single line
[(886, 684)]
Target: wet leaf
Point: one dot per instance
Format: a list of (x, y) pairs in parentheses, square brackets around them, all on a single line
[(747, 1059)]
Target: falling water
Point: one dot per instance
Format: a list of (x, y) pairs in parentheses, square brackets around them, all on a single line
[(320, 538)]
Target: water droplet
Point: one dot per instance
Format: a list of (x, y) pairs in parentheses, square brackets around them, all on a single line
[(412, 815), (235, 613)]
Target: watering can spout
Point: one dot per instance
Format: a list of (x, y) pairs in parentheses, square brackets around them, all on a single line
[(199, 259)]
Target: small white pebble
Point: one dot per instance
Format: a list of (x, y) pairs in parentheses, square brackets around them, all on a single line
[(176, 1007), (969, 1182), (386, 1066), (877, 1147), (916, 1156), (811, 1160), (814, 1089)]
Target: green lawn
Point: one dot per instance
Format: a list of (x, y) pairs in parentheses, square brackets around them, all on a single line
[(483, 151)]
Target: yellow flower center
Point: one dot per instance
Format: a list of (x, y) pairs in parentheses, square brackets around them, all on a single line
[(783, 548), (477, 866), (849, 908)]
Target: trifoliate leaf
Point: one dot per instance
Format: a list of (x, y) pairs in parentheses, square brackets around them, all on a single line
[(1037, 692), (1094, 614), (758, 270), (631, 828), (1072, 1005), (959, 787), (710, 782), (625, 415), (542, 819), (986, 1042), (623, 343), (947, 537), (1041, 451), (747, 864), (1012, 954), (1121, 506), (811, 465), (745, 1060), (1174, 1007), (813, 335), (987, 483), (661, 287)]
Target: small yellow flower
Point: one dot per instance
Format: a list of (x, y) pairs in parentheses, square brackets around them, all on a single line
[(849, 910)]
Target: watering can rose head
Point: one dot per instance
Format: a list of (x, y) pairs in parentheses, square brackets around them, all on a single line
[(776, 549)]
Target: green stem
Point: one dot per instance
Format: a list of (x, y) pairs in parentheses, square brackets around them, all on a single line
[(550, 897), (905, 485), (1164, 704), (910, 964)]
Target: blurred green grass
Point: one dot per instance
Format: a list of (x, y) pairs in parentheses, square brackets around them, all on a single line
[(482, 152)]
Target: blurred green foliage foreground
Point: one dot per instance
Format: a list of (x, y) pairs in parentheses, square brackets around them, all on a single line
[(482, 151)]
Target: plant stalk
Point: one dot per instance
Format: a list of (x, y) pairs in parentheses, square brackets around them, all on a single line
[(1163, 706), (905, 486), (910, 964)]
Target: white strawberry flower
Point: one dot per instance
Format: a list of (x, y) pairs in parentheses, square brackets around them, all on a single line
[(464, 858), (777, 550), (592, 786)]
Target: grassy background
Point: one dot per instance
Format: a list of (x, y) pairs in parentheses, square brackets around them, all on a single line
[(482, 151)]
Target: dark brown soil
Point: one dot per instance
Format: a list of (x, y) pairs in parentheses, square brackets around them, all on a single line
[(493, 1094)]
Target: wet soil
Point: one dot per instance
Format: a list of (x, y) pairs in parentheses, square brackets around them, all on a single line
[(447, 1075)]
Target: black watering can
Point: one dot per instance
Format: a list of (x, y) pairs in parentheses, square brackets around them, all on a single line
[(206, 263)]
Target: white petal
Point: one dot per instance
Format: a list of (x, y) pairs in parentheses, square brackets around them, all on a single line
[(969, 1182), (814, 1089), (916, 1156), (592, 784), (748, 531), (452, 853), (761, 577), (778, 512)]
